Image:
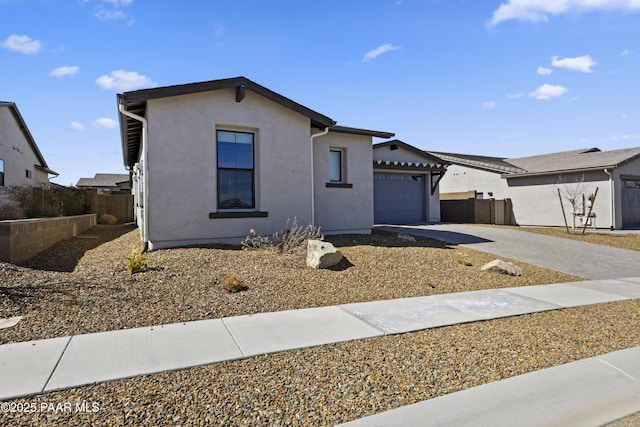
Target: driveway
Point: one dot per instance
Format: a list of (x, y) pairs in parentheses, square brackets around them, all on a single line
[(586, 260)]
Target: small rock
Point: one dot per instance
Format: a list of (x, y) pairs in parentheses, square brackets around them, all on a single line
[(322, 254), (407, 237), (11, 321), (503, 267)]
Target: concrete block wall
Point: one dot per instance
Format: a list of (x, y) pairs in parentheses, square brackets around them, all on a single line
[(21, 239)]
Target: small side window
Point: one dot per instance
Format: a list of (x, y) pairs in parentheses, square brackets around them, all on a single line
[(27, 173), (336, 165), (1, 173)]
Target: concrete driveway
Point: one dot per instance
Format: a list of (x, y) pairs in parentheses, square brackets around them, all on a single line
[(586, 260)]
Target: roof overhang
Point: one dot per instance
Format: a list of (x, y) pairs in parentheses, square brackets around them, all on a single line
[(357, 131), (556, 172), (136, 101), (408, 166)]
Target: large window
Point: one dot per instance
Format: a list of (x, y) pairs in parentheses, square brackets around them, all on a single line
[(1, 173), (235, 170)]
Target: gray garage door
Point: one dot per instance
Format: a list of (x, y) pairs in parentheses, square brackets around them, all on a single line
[(398, 198), (631, 202)]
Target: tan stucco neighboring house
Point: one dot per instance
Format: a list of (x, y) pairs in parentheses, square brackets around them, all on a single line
[(406, 183), (532, 184), (212, 160), (21, 162), (107, 183)]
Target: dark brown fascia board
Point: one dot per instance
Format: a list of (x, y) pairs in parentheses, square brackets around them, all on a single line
[(413, 149), (317, 120), (25, 131), (557, 172), (357, 131)]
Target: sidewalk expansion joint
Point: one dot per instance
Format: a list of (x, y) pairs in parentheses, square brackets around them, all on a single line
[(617, 369), (384, 333), (244, 353), (44, 387)]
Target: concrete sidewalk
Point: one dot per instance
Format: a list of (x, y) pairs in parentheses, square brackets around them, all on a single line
[(582, 259), (35, 367)]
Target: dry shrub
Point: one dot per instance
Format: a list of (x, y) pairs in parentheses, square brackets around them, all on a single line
[(107, 219), (289, 240), (233, 284)]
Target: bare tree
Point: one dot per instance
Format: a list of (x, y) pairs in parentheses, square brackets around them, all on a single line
[(574, 193)]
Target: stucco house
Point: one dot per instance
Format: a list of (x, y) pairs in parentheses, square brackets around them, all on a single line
[(212, 160), (405, 181), (21, 162), (107, 183), (532, 184)]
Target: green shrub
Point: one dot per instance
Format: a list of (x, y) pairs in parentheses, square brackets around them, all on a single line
[(137, 261), (233, 284)]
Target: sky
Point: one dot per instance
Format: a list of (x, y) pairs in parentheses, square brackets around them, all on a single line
[(504, 78)]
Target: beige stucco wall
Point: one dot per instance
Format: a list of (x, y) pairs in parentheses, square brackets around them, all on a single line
[(399, 155), (17, 154), (535, 199), (182, 166), (345, 210), (630, 169), (461, 178)]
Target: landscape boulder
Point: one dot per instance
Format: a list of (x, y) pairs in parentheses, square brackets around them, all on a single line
[(406, 237), (503, 267), (321, 254)]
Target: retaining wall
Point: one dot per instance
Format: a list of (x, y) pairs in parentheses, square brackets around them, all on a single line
[(23, 238)]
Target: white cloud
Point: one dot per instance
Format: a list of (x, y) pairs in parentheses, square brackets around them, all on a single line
[(540, 10), (489, 105), (124, 80), (626, 52), (544, 71), (372, 54), (579, 63), (22, 44), (104, 123), (64, 71), (113, 9), (625, 137), (515, 95), (119, 3), (547, 91), (78, 127)]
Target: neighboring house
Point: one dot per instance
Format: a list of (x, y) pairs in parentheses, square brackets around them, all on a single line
[(107, 183), (21, 162), (213, 160), (532, 184), (405, 181)]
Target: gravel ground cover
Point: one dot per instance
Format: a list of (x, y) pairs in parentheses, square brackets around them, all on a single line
[(81, 285), (345, 381), (317, 386)]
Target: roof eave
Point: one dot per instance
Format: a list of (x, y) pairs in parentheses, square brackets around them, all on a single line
[(358, 131), (557, 172)]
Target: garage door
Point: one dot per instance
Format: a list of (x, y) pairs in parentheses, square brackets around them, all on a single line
[(399, 198), (631, 203)]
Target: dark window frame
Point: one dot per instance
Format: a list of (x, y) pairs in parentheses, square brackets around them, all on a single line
[(226, 169), (1, 173), (341, 165)]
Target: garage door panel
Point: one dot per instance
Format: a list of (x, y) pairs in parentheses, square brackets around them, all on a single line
[(399, 198)]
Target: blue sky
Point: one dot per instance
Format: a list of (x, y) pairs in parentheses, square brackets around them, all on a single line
[(503, 78)]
